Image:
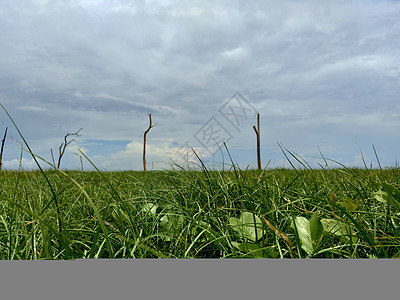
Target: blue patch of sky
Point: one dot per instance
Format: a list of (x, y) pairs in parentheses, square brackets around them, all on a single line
[(104, 147)]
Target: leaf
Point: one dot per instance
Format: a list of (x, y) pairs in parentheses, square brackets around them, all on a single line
[(310, 232), (333, 226), (338, 228), (381, 196), (303, 230), (150, 208), (316, 229), (172, 225), (248, 225), (348, 204)]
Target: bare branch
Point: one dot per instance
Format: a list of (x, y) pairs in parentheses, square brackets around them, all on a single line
[(257, 131), (63, 146), (144, 141), (2, 148)]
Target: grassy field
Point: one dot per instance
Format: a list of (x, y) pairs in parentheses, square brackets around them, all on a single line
[(280, 213)]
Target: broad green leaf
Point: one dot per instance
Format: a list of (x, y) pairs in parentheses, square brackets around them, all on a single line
[(248, 225), (338, 228), (172, 224), (150, 208), (303, 229), (333, 226), (310, 232), (316, 230), (348, 204), (381, 196)]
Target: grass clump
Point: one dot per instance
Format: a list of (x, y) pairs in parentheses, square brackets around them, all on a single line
[(281, 213), (335, 213)]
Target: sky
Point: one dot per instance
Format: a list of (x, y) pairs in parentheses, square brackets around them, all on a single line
[(323, 75)]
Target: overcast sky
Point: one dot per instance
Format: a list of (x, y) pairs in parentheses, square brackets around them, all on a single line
[(324, 76)]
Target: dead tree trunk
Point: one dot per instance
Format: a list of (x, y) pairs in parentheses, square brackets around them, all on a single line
[(144, 142), (63, 146), (257, 131), (2, 148)]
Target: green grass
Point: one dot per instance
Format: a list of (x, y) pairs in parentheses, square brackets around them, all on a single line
[(332, 213), (281, 213)]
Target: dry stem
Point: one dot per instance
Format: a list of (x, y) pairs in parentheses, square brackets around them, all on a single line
[(144, 142), (257, 131), (2, 147)]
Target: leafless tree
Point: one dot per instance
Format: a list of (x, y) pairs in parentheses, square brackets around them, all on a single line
[(63, 146), (257, 131), (144, 142), (2, 147)]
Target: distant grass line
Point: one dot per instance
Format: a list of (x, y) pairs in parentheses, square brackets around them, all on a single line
[(188, 214)]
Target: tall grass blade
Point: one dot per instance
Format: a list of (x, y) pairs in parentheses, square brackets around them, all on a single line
[(377, 158), (287, 158), (365, 164), (54, 198), (323, 157), (115, 193), (233, 164), (96, 212)]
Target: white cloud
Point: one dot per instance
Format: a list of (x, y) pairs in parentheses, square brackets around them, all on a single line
[(32, 108), (16, 164), (236, 53), (158, 156)]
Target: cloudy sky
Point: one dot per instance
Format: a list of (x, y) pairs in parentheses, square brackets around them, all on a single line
[(324, 76)]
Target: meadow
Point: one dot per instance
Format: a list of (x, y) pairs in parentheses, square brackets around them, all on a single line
[(179, 213)]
